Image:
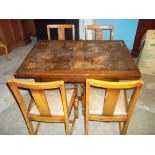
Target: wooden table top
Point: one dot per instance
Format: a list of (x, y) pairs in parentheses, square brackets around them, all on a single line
[(75, 61)]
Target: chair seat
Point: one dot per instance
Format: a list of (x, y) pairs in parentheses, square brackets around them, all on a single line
[(97, 100), (55, 102)]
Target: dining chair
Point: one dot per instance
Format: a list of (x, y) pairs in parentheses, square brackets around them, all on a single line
[(110, 102), (98, 31), (49, 102), (61, 30), (2, 45), (61, 36)]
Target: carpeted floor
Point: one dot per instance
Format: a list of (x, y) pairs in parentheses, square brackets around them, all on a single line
[(12, 122)]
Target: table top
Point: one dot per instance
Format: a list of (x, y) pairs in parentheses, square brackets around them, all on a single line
[(75, 61)]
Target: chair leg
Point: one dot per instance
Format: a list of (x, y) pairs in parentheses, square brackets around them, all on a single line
[(6, 52), (86, 125), (72, 127), (37, 128), (125, 128), (83, 98), (67, 128), (85, 112), (29, 126), (120, 126), (76, 115)]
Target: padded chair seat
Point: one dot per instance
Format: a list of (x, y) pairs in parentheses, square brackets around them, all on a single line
[(97, 96), (55, 102)]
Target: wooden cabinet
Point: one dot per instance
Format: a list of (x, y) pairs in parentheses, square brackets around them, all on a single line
[(143, 26), (29, 27), (13, 34)]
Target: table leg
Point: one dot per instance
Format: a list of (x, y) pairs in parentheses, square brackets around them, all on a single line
[(83, 97)]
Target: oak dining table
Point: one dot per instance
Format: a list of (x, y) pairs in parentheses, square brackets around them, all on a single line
[(75, 61)]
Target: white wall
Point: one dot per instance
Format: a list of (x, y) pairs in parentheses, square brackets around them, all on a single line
[(82, 24)]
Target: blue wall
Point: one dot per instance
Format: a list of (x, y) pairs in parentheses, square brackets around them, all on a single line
[(124, 29)]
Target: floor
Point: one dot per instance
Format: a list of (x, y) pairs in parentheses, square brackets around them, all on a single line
[(12, 122)]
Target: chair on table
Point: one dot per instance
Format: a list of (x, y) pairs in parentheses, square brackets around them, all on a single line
[(98, 31), (61, 30), (50, 102), (107, 102), (2, 45)]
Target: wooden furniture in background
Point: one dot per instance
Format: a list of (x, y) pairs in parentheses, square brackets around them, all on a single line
[(47, 104), (98, 31), (143, 26), (29, 27), (107, 102), (3, 46), (12, 33), (61, 30)]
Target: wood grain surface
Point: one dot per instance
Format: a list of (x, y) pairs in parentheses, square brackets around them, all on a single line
[(75, 61)]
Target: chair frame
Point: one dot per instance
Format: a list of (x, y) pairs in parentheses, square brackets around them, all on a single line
[(98, 31), (2, 45), (112, 93), (36, 90), (61, 30)]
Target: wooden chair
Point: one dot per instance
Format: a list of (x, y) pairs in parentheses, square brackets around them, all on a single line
[(98, 31), (61, 30), (61, 36), (50, 102), (2, 45), (107, 101)]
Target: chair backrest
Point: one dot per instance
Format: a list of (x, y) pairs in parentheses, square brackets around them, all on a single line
[(112, 91), (37, 92), (98, 31), (61, 30)]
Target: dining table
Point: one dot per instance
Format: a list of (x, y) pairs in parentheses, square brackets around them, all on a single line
[(76, 60)]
